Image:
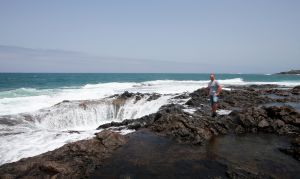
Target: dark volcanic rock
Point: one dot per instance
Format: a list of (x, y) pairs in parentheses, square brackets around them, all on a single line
[(284, 113), (131, 123), (246, 97), (263, 124), (278, 92), (126, 95), (263, 86), (198, 98), (120, 99), (281, 120), (74, 160), (182, 96), (296, 90), (172, 121), (154, 96)]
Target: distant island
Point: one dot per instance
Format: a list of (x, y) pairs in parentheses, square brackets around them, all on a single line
[(291, 72)]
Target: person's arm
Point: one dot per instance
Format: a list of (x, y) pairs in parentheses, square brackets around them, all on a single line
[(207, 89), (219, 89)]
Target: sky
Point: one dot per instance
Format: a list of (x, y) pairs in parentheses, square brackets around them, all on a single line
[(184, 36)]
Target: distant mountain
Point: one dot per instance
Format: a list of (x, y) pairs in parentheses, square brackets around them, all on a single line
[(291, 72)]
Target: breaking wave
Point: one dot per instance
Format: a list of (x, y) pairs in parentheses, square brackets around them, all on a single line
[(30, 99)]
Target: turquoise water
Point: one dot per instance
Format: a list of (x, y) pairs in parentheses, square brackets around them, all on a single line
[(9, 81)]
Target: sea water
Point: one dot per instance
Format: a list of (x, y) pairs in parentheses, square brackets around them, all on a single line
[(31, 123)]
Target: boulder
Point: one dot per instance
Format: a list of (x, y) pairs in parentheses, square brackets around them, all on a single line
[(263, 124), (278, 123), (296, 90)]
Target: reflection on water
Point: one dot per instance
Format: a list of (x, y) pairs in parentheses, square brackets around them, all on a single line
[(147, 155), (256, 153), (274, 96)]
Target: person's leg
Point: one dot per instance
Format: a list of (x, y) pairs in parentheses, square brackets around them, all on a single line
[(214, 106), (214, 109)]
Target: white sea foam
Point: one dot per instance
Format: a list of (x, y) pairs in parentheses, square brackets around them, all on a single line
[(190, 110), (223, 112), (34, 142)]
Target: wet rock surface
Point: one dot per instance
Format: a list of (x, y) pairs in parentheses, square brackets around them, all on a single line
[(126, 95), (248, 116), (296, 90), (74, 160)]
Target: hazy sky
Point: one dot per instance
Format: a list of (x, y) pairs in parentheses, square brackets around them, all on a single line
[(257, 36)]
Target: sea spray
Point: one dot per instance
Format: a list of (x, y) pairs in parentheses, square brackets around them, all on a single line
[(85, 115), (30, 134)]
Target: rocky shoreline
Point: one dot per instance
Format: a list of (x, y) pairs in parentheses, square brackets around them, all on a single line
[(268, 109), (291, 72)]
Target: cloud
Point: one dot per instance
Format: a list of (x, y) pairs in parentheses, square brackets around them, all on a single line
[(19, 59)]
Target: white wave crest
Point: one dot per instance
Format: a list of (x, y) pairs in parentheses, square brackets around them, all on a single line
[(35, 99)]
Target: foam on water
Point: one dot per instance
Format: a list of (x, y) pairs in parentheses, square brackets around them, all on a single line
[(34, 142), (20, 104)]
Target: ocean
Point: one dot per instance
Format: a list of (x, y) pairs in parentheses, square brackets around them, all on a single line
[(32, 123), (10, 81)]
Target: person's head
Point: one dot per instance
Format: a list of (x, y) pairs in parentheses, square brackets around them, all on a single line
[(212, 77)]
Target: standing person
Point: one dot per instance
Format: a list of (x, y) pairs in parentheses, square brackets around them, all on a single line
[(214, 89)]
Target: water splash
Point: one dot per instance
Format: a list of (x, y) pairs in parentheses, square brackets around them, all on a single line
[(30, 134)]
